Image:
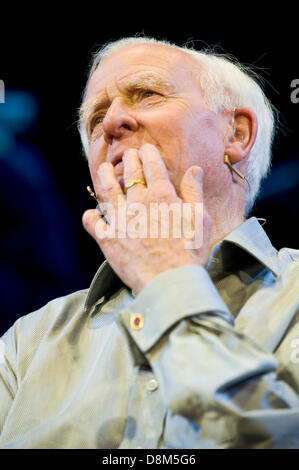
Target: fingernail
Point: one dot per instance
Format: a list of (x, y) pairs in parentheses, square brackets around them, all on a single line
[(197, 173), (147, 146)]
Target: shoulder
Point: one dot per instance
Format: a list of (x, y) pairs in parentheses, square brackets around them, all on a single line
[(64, 307), (288, 260), (287, 281), (29, 330)]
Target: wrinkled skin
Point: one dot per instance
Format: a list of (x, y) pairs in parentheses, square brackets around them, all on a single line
[(167, 136)]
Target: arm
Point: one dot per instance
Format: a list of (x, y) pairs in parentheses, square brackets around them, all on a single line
[(208, 372), (8, 381)]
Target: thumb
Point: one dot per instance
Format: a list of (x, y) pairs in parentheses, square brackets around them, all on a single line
[(89, 220), (191, 187), (96, 224)]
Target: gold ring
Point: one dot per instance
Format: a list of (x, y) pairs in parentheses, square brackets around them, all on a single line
[(131, 183)]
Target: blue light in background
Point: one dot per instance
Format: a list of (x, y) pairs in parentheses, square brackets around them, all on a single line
[(38, 253)]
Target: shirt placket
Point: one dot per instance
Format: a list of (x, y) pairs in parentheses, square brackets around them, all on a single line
[(146, 412)]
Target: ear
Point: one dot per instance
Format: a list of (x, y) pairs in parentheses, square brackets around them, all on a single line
[(244, 130)]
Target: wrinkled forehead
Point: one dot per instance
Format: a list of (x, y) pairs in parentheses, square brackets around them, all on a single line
[(165, 60)]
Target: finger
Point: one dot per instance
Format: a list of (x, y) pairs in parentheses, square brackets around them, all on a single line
[(95, 225), (89, 220), (191, 186), (133, 171), (153, 166), (109, 188)]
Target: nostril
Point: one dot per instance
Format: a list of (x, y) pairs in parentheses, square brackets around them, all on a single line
[(125, 126)]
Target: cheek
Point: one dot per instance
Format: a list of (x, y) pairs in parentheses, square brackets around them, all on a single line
[(165, 135), (204, 142), (96, 156), (93, 173), (93, 166)]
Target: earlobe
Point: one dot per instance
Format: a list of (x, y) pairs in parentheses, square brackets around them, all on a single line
[(244, 124), (228, 163)]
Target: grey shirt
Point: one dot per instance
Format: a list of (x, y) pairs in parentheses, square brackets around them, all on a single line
[(200, 358)]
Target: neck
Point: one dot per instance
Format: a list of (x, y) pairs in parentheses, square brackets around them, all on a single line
[(226, 217), (219, 232)]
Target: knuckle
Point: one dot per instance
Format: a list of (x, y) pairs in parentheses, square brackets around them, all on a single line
[(135, 174), (104, 167), (108, 191), (161, 190), (130, 152), (152, 162)]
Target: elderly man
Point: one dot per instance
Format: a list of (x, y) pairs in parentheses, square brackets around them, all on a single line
[(174, 345)]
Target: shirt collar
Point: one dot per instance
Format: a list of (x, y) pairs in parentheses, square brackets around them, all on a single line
[(252, 240), (250, 237), (104, 281)]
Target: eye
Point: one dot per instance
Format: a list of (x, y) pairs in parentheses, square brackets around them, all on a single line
[(95, 122), (148, 94)]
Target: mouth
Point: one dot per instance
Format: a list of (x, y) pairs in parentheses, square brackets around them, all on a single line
[(117, 158), (119, 168)]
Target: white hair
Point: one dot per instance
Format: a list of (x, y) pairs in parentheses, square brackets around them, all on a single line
[(225, 84)]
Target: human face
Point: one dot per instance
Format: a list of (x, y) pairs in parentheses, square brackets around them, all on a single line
[(148, 93)]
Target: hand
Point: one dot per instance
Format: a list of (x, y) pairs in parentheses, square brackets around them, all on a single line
[(129, 247)]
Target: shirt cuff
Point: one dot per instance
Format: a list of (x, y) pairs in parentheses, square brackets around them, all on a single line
[(168, 298)]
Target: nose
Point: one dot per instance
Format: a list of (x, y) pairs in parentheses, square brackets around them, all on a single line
[(118, 121)]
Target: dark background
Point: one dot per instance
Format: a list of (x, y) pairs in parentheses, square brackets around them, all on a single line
[(45, 252)]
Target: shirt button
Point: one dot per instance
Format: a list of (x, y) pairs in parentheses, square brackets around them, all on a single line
[(136, 321), (152, 385)]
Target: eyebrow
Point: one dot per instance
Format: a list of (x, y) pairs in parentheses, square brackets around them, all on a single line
[(148, 79), (138, 81)]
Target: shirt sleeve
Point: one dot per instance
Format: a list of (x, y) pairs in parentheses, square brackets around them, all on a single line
[(219, 379)]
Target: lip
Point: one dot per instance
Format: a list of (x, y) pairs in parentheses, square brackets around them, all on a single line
[(119, 168), (117, 158)]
